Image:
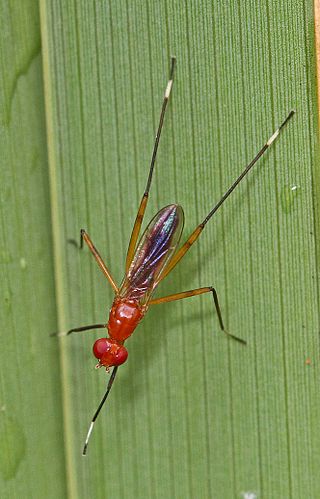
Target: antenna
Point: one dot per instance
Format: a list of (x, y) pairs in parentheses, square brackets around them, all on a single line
[(96, 414)]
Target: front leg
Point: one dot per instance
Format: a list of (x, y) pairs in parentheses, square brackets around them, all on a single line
[(80, 329)]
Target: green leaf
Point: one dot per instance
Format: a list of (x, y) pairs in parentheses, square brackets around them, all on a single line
[(191, 414), (31, 425)]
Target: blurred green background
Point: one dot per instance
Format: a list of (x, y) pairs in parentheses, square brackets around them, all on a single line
[(191, 414)]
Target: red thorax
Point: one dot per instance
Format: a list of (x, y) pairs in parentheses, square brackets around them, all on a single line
[(123, 319)]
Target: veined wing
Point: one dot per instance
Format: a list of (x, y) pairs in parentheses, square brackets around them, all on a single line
[(155, 249)]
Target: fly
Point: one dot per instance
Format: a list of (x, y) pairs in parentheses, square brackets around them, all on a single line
[(149, 260)]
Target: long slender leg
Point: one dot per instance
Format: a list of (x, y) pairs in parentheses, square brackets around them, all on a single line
[(144, 200), (79, 329), (195, 292), (85, 237), (196, 233)]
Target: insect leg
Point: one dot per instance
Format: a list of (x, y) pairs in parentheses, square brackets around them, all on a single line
[(195, 292), (85, 237), (79, 329), (144, 200), (196, 233)]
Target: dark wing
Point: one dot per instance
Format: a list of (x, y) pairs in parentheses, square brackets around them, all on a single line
[(155, 249)]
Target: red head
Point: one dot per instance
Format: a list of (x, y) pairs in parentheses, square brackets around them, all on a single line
[(109, 352)]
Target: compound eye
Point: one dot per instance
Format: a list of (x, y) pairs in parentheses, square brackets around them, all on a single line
[(120, 356), (100, 347), (109, 352)]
